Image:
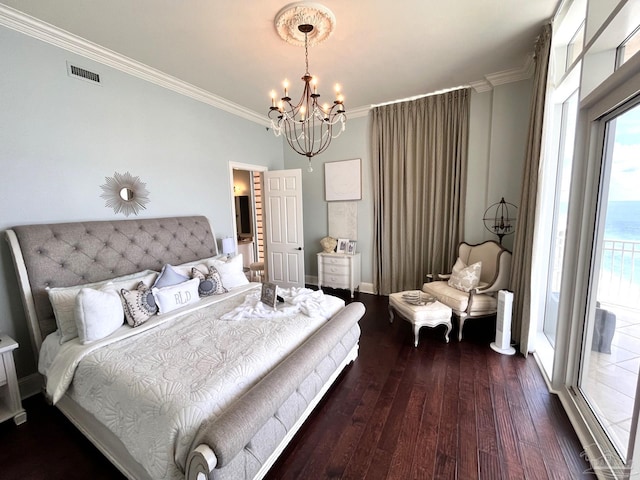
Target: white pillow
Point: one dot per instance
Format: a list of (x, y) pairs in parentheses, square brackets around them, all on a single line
[(230, 271), (98, 313), (463, 277), (202, 265), (176, 296), (63, 299)]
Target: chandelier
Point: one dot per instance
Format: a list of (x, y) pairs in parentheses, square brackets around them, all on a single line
[(307, 125)]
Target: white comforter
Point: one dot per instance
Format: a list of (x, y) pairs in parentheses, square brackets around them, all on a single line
[(154, 385)]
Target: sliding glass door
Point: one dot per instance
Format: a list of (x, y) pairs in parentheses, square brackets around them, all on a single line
[(610, 360)]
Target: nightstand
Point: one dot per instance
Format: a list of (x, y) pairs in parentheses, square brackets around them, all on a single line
[(339, 270), (10, 403)]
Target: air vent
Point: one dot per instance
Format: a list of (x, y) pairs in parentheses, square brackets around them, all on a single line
[(82, 74)]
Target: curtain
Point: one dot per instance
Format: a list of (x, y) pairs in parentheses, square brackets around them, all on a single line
[(521, 262), (419, 157)]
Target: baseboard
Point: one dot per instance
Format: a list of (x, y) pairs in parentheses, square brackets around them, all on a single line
[(30, 385), (364, 287)]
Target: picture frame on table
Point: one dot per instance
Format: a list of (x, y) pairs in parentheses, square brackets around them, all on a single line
[(269, 294), (343, 244), (351, 247)]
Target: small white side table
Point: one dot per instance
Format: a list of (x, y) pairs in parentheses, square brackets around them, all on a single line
[(10, 403), (339, 270)]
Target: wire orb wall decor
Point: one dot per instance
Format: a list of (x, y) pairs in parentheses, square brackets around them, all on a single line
[(500, 219), (125, 193)]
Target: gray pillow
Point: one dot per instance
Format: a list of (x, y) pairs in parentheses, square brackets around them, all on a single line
[(169, 276)]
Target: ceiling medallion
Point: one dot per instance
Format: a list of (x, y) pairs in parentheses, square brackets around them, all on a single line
[(300, 13), (308, 124)]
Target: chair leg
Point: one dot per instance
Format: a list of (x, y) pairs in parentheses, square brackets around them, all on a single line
[(460, 326)]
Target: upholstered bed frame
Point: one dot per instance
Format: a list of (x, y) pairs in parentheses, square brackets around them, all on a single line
[(247, 438)]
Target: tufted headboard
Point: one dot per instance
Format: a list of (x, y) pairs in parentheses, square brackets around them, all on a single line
[(66, 254)]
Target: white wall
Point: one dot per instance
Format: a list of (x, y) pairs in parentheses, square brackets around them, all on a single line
[(60, 137)]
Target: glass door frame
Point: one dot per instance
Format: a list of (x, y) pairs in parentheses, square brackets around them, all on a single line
[(579, 265)]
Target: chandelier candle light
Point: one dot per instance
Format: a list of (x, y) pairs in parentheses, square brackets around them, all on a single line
[(308, 125)]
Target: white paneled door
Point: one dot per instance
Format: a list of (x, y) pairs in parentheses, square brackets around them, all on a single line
[(282, 191)]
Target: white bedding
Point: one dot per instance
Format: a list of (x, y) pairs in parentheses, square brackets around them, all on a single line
[(155, 384)]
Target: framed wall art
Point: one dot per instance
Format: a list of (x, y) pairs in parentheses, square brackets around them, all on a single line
[(342, 180)]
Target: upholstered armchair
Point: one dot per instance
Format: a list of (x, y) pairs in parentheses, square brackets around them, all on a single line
[(472, 286)]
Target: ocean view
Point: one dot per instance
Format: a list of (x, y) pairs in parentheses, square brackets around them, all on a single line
[(620, 265), (623, 221)]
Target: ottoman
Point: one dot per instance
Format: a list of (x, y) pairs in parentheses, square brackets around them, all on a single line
[(428, 315)]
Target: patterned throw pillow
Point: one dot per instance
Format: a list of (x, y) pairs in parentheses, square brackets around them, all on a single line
[(139, 304), (210, 284), (463, 277)]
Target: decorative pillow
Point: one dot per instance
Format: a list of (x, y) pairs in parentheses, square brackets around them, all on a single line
[(169, 276), (139, 304), (63, 299), (98, 313), (176, 296), (202, 265), (210, 284), (465, 278), (231, 271)]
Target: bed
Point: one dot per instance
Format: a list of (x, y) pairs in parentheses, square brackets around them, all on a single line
[(213, 387)]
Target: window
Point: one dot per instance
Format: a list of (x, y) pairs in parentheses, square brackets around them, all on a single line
[(628, 48)]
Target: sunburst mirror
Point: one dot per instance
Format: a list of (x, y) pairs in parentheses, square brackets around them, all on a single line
[(125, 193)]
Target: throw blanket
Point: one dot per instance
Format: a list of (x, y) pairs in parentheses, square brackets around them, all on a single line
[(310, 302), (153, 389)]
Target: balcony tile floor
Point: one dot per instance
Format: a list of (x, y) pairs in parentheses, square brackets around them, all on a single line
[(612, 378)]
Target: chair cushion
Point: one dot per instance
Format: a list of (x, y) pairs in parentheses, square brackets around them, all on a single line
[(459, 300)]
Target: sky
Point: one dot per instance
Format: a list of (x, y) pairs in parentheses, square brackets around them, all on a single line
[(625, 172)]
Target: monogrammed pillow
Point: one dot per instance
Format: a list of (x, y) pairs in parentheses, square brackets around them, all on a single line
[(463, 277), (176, 296)]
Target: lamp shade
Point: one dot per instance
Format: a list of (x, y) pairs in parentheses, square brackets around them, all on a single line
[(228, 246)]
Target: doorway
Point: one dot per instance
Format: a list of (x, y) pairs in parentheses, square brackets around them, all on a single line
[(247, 214)]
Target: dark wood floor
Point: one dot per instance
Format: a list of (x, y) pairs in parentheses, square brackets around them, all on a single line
[(450, 411)]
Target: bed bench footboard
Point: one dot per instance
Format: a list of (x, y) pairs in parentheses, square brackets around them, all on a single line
[(232, 431)]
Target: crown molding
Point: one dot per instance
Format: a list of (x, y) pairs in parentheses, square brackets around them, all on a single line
[(45, 32), (33, 27), (505, 76)]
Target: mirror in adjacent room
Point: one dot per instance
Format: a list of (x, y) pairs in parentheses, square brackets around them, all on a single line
[(125, 193)]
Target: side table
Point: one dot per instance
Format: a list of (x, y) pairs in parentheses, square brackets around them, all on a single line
[(10, 403), (339, 270)]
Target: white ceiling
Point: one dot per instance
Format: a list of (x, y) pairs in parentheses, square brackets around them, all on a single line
[(380, 50)]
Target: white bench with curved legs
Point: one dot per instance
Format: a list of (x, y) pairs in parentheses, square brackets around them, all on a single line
[(428, 315)]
